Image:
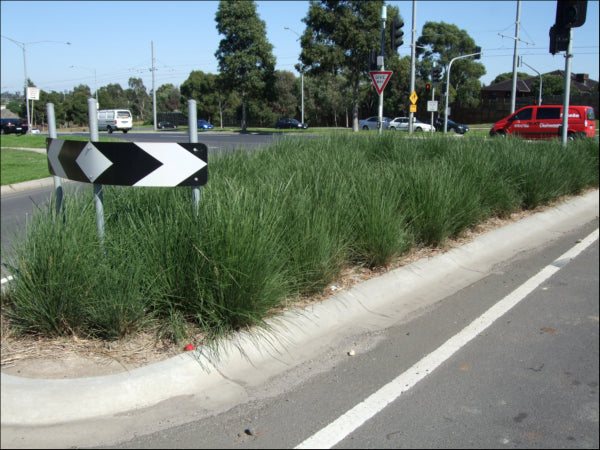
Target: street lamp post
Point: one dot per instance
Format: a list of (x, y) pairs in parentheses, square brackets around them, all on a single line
[(95, 84), (24, 45), (301, 76)]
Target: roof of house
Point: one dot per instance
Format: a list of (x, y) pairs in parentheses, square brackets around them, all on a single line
[(581, 81)]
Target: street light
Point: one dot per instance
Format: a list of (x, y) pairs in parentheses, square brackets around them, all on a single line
[(301, 75), (24, 45), (95, 85)]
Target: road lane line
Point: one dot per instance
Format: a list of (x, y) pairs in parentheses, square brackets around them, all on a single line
[(340, 428)]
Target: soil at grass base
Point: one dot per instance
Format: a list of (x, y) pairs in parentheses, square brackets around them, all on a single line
[(71, 357)]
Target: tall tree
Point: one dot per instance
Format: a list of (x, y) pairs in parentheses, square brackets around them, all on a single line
[(338, 38), (443, 43), (246, 61), (138, 97)]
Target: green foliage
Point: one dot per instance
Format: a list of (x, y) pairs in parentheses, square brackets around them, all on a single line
[(245, 57), (506, 76), (273, 226), (445, 42), (338, 38)]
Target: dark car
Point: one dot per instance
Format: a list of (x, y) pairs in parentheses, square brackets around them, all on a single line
[(290, 123), (452, 126), (204, 125), (165, 124), (13, 126)]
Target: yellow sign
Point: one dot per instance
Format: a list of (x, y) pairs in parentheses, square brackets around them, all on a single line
[(413, 108), (413, 97)]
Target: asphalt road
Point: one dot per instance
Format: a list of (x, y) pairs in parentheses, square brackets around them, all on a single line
[(530, 380)]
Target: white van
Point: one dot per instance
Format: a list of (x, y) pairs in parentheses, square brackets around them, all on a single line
[(115, 120)]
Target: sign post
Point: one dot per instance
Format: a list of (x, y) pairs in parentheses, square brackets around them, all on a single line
[(380, 79)]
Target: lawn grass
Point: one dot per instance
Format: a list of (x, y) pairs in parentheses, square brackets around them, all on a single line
[(274, 226), (17, 166)]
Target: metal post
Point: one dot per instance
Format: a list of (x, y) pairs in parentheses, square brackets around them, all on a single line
[(411, 115), (383, 17), (565, 118), (433, 99), (153, 90), (193, 132), (58, 189), (98, 200), (515, 60), (539, 74), (448, 86)]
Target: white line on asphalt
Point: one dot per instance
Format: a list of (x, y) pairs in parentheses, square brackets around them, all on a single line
[(340, 428)]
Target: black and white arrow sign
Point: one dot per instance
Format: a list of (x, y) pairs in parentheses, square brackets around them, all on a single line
[(129, 163)]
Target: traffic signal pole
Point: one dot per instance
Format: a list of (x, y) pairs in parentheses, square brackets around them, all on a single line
[(567, 94), (382, 67)]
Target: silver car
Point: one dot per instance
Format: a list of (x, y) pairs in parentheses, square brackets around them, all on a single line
[(401, 124), (371, 123)]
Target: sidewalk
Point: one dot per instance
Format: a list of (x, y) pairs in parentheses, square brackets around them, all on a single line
[(250, 359)]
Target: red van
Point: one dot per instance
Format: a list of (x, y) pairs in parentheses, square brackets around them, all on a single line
[(545, 122)]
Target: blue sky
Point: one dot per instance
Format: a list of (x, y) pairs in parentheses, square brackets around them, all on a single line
[(111, 41)]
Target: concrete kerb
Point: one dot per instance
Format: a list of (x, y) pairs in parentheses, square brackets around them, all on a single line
[(26, 185), (250, 359)]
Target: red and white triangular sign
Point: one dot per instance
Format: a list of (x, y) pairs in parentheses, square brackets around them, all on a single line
[(380, 79)]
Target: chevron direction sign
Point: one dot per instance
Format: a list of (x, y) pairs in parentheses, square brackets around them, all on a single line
[(129, 163)]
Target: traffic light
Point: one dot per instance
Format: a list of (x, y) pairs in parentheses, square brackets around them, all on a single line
[(397, 33), (570, 13), (428, 88), (478, 51), (559, 39), (372, 60), (436, 74)]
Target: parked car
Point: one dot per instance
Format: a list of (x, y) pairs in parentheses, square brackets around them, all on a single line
[(401, 124), (165, 124), (204, 125), (452, 126), (545, 122), (13, 126), (290, 123), (370, 123), (35, 130)]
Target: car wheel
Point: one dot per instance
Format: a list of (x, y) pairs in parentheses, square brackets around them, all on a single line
[(109, 129), (419, 129), (366, 128), (125, 131)]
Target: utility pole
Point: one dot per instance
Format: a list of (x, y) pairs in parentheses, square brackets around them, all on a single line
[(153, 90), (515, 57)]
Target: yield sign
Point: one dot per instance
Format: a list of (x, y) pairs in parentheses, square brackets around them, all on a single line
[(380, 79)]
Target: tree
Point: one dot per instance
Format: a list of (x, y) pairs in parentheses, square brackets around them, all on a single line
[(168, 98), (506, 76), (204, 88), (443, 43), (286, 100), (338, 38), (112, 96), (245, 57), (138, 97)]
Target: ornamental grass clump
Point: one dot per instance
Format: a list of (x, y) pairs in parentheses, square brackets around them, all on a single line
[(272, 226)]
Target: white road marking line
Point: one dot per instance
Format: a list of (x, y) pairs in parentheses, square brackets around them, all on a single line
[(340, 428)]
